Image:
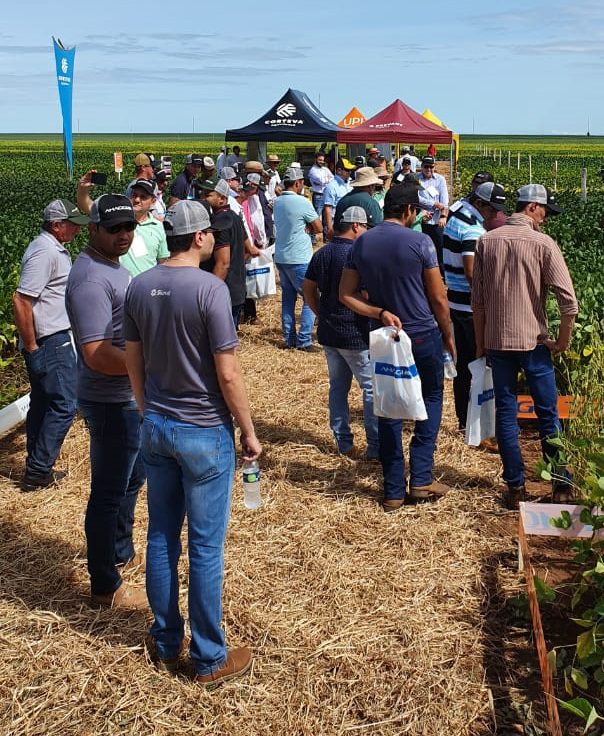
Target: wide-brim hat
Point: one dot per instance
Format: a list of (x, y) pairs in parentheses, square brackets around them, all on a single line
[(365, 176)]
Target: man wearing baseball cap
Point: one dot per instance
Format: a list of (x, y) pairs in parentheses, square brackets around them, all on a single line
[(361, 195), (182, 186), (95, 294), (460, 236), (149, 242), (397, 269), (514, 268), (337, 188), (342, 334), (295, 217), (45, 342), (179, 310), (434, 196)]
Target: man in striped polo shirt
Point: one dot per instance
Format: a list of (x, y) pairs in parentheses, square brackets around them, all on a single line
[(516, 265), (461, 233)]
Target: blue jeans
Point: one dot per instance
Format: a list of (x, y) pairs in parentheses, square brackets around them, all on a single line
[(117, 476), (318, 202), (190, 471), (342, 365), (428, 354), (291, 276), (52, 376), (539, 372)]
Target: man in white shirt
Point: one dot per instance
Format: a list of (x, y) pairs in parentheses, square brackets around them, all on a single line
[(413, 160), (235, 158), (319, 176), (272, 162)]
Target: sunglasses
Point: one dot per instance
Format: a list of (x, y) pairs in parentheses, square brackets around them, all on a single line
[(115, 229)]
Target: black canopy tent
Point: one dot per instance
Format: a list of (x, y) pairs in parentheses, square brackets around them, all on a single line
[(292, 118)]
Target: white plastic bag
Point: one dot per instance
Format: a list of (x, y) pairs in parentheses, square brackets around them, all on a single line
[(480, 424), (397, 388), (260, 276)]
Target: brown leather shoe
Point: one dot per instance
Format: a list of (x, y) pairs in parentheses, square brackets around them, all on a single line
[(392, 504), (136, 562), (490, 445), (126, 596), (435, 489), (237, 663)]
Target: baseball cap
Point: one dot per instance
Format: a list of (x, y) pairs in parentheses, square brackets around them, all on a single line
[(428, 161), (214, 184), (405, 149), (111, 209), (186, 217), (228, 173), (146, 185), (492, 194), (406, 160), (344, 163), (481, 176), (359, 161), (194, 158), (293, 173), (255, 179), (354, 214), (143, 159), (541, 195), (162, 175), (63, 209), (401, 194), (208, 162)]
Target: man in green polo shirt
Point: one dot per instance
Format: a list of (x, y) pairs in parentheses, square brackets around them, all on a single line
[(363, 189)]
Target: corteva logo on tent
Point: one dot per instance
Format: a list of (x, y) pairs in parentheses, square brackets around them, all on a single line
[(64, 65), (286, 110)]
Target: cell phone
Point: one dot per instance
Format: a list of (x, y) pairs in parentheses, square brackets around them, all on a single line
[(98, 178)]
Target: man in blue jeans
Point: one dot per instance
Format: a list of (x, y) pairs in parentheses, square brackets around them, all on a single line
[(342, 333), (181, 311), (95, 294), (515, 266), (294, 217), (45, 340), (398, 270)]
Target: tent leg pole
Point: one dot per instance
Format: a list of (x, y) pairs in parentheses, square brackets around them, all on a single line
[(451, 166)]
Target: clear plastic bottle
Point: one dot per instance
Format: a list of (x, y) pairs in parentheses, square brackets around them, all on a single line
[(450, 370), (251, 485)]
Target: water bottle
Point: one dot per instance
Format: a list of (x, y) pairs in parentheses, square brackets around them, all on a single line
[(251, 485), (450, 370)]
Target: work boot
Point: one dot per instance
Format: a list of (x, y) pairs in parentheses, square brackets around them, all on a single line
[(134, 563), (390, 505), (237, 663), (434, 490), (126, 596), (513, 496)]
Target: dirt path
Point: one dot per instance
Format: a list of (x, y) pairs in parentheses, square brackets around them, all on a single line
[(361, 622)]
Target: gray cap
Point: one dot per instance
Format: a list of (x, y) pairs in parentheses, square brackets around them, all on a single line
[(254, 179), (63, 209), (293, 173), (354, 214), (491, 193), (186, 217), (540, 195), (228, 173)]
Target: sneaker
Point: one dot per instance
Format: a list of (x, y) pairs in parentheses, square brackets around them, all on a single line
[(32, 482), (390, 505), (134, 563), (126, 596), (434, 490), (237, 663), (513, 496)]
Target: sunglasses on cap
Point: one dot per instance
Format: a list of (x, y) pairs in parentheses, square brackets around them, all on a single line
[(115, 229)]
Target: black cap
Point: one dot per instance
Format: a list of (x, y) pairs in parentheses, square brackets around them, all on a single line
[(146, 185), (401, 194), (428, 161), (111, 209), (481, 176)]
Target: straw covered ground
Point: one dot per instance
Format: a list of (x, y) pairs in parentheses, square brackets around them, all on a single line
[(361, 622)]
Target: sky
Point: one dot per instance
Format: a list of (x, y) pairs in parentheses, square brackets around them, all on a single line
[(157, 67)]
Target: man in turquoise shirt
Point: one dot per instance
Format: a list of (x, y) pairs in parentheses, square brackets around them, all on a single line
[(294, 218)]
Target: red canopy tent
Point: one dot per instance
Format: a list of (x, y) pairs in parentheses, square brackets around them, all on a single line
[(397, 123)]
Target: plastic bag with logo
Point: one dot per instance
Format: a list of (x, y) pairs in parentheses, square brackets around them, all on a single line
[(260, 276), (480, 424), (397, 389)]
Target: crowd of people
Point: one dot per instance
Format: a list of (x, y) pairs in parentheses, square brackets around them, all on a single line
[(153, 305)]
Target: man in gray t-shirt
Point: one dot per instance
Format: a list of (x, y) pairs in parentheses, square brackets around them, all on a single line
[(180, 352), (45, 341), (95, 298)]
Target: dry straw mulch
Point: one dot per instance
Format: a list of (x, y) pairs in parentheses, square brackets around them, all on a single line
[(361, 622)]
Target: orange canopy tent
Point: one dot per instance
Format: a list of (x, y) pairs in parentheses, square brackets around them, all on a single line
[(352, 118)]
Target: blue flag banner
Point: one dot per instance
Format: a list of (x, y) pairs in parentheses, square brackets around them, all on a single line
[(64, 59)]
